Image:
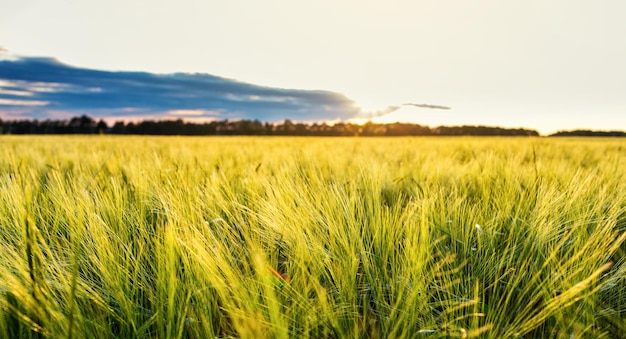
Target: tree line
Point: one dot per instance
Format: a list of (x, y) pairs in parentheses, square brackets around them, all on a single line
[(589, 133), (87, 125)]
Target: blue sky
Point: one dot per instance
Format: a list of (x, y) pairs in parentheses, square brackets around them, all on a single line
[(546, 65), (44, 87)]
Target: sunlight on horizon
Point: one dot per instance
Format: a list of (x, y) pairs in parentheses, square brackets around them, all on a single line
[(540, 65), (412, 115)]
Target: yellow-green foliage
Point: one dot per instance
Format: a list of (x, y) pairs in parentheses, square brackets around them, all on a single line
[(383, 237)]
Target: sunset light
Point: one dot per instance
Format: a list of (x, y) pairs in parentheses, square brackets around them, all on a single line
[(543, 65), (312, 169)]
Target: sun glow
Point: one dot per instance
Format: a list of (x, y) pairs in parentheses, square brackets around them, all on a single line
[(406, 114), (402, 114)]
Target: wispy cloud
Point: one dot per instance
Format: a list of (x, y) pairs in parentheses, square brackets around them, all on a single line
[(39, 86), (426, 106), (194, 113), (14, 102), (390, 109)]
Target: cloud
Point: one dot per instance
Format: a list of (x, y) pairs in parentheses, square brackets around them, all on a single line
[(14, 92), (194, 113), (51, 86), (378, 113), (13, 102), (426, 106), (390, 109)]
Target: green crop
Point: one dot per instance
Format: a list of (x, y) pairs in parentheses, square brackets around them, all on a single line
[(253, 237)]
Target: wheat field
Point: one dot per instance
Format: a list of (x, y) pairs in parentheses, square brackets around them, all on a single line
[(253, 237)]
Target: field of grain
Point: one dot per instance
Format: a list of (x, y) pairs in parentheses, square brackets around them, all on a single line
[(168, 237)]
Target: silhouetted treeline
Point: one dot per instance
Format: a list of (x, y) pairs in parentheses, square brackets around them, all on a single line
[(86, 125), (77, 125), (588, 133)]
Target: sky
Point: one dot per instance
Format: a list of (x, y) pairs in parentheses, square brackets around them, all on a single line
[(547, 65)]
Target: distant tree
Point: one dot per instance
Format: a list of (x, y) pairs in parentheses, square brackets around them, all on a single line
[(119, 127), (101, 126), (131, 128), (83, 125), (288, 127), (589, 133)]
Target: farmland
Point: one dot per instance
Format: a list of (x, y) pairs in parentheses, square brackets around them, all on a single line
[(201, 237)]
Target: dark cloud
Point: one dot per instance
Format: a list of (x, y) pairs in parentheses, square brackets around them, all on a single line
[(42, 87)]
